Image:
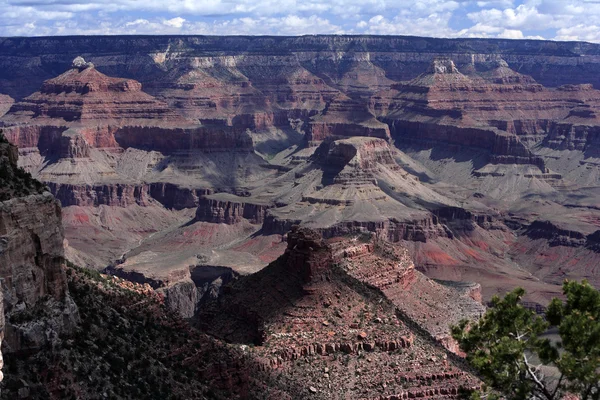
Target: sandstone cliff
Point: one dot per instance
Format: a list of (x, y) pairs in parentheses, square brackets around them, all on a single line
[(36, 306)]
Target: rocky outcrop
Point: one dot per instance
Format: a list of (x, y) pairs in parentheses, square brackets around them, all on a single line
[(307, 255), (228, 210), (36, 303), (311, 304), (83, 93), (36, 307), (73, 145), (32, 251), (433, 305), (114, 195), (361, 154), (344, 117), (5, 103), (362, 189), (176, 197), (555, 235)]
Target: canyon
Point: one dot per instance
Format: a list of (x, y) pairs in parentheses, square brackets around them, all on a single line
[(183, 162), (305, 209)]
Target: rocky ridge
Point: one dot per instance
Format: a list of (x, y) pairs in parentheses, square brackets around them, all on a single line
[(343, 328)]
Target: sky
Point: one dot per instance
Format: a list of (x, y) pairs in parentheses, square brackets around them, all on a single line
[(513, 19)]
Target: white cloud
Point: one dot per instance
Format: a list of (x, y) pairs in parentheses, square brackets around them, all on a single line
[(511, 34), (589, 33), (176, 22), (554, 19), (521, 17), (431, 25), (495, 3), (138, 22)]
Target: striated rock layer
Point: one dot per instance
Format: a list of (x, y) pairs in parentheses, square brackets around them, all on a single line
[(26, 62), (504, 116), (83, 94), (309, 316), (36, 305), (234, 140)]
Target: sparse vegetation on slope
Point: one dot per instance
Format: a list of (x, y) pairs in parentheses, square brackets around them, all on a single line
[(14, 181), (127, 347)]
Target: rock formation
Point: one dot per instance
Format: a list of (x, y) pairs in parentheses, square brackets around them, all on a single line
[(354, 185), (443, 105), (83, 93), (308, 306), (229, 209), (36, 306), (183, 162), (5, 103), (217, 147), (345, 117), (338, 59)]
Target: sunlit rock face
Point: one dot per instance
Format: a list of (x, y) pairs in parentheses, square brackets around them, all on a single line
[(217, 146)]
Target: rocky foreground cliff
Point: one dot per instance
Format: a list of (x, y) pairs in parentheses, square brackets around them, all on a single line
[(36, 306)]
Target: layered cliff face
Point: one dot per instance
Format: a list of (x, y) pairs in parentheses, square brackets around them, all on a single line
[(184, 163), (308, 306), (216, 147), (82, 97), (498, 110), (351, 185), (36, 306), (26, 62), (434, 306), (345, 117), (101, 141), (230, 209)]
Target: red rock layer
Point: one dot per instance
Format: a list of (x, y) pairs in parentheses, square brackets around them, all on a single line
[(346, 117), (306, 307), (433, 306), (230, 211), (499, 111), (83, 94)]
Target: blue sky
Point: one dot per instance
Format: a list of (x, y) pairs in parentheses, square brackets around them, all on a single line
[(515, 19)]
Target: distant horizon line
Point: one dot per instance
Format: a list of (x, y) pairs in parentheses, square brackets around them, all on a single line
[(304, 35)]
